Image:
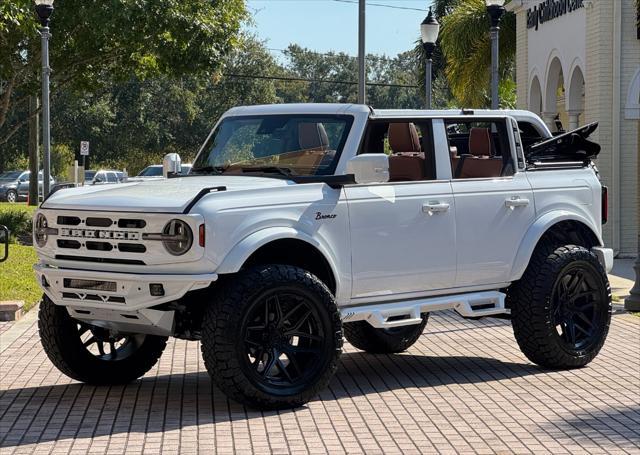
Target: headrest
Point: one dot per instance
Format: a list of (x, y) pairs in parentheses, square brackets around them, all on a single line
[(480, 142), (312, 136), (403, 138)]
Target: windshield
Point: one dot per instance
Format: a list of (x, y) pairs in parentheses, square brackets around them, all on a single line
[(13, 175), (297, 144), (89, 175), (151, 171)]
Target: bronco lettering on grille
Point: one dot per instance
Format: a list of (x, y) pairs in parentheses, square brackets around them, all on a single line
[(99, 234)]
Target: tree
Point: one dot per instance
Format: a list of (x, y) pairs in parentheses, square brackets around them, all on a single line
[(466, 46), (463, 54), (95, 42)]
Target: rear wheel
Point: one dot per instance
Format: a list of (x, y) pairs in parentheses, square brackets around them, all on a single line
[(561, 308), (273, 337), (364, 336), (93, 354)]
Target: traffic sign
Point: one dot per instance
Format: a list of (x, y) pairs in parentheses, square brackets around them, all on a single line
[(84, 148)]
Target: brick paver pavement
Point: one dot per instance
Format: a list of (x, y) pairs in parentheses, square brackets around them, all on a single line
[(463, 387)]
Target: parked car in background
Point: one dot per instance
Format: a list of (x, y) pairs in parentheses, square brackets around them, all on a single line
[(103, 177), (14, 185), (155, 171)]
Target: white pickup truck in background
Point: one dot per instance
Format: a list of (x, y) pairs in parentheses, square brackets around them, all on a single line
[(301, 224)]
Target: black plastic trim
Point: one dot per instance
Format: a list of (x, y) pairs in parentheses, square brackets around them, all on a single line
[(203, 192)]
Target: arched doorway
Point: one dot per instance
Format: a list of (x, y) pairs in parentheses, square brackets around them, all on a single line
[(554, 96), (535, 96), (575, 100)]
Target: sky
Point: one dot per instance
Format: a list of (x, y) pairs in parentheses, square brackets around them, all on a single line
[(332, 25)]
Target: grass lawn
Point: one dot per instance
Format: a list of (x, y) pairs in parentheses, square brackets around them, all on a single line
[(17, 279)]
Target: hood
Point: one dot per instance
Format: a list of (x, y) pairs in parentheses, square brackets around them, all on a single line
[(161, 196)]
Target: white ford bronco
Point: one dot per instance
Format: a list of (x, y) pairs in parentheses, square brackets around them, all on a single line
[(301, 224)]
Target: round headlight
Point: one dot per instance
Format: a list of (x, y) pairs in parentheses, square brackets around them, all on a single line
[(40, 230), (177, 237)]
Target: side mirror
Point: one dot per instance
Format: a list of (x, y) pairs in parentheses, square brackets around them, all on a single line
[(98, 179), (171, 164), (4, 238), (369, 168)]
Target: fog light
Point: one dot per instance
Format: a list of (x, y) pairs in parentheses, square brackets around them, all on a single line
[(156, 289)]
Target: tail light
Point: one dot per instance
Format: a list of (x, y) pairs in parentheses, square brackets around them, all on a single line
[(605, 204)]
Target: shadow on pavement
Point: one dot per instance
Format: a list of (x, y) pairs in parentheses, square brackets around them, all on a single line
[(168, 402), (603, 427)]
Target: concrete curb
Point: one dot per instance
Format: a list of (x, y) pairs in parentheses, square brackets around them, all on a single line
[(11, 310)]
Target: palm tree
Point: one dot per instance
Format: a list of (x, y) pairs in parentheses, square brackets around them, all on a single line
[(465, 46)]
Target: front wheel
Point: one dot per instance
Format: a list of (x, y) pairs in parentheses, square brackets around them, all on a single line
[(92, 354), (272, 337), (12, 197), (561, 307)]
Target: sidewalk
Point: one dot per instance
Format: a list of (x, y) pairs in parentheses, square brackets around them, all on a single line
[(622, 278)]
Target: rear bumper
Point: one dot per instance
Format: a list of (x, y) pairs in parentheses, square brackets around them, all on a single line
[(115, 291), (605, 256)]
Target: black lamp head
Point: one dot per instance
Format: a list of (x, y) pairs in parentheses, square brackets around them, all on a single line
[(44, 9)]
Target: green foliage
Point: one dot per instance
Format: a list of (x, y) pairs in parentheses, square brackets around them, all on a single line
[(17, 279), (96, 43), (466, 46), (18, 221)]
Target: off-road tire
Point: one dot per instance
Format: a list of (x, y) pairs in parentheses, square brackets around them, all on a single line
[(225, 350), (12, 196), (365, 337), (534, 315), (59, 335)]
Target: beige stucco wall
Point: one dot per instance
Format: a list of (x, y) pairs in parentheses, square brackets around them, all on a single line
[(612, 58)]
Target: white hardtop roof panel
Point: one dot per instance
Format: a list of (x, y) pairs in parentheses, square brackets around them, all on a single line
[(300, 108)]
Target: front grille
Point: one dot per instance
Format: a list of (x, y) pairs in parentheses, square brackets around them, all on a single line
[(99, 222), (101, 235), (99, 246), (68, 220), (73, 244)]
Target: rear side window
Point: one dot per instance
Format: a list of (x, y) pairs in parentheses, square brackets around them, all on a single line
[(111, 177), (479, 149)]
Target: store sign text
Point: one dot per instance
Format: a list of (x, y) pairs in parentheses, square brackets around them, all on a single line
[(551, 9)]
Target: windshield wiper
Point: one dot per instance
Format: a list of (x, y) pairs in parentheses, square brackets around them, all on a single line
[(284, 171), (208, 170)]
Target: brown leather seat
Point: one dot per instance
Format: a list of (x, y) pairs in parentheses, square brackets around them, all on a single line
[(479, 163), (407, 161)]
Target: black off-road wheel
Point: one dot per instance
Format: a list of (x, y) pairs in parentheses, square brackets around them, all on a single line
[(272, 337), (365, 337), (91, 354), (561, 308)]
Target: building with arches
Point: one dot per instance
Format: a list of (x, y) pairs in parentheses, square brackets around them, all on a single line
[(578, 61)]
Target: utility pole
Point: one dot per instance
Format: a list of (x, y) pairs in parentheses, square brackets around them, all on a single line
[(362, 68), (34, 140)]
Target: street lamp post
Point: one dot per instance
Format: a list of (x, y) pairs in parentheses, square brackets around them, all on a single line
[(429, 30), (495, 8), (44, 9)]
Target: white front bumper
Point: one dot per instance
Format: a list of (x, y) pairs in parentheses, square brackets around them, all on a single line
[(605, 256), (126, 291)]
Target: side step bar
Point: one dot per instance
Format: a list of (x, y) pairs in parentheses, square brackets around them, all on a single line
[(407, 312)]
